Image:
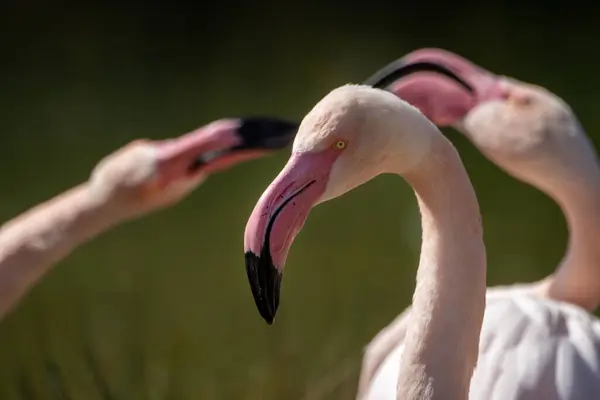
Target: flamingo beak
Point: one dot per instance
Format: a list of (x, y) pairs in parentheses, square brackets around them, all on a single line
[(222, 144), (275, 221), (444, 86), (253, 136)]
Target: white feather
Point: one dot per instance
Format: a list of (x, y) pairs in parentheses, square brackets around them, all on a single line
[(530, 348)]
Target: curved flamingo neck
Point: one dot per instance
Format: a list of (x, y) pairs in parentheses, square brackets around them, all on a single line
[(32, 242), (577, 279), (442, 341)]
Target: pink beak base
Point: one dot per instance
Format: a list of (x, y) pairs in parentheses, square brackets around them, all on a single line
[(442, 85), (277, 218), (180, 156)]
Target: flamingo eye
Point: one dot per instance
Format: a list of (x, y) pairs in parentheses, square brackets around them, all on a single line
[(340, 144), (519, 99)]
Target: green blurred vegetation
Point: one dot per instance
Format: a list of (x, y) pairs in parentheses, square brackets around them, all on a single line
[(160, 308)]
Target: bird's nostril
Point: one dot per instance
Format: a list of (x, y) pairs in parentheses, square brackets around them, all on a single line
[(204, 159), (196, 165)]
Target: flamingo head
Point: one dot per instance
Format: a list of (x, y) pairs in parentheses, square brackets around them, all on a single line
[(524, 128), (342, 142), (147, 174)]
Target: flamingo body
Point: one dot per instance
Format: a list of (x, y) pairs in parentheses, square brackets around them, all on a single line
[(139, 178), (351, 136), (551, 348), (538, 340)]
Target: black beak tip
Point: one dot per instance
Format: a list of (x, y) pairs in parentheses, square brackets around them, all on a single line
[(267, 132), (400, 68), (384, 76), (265, 283)]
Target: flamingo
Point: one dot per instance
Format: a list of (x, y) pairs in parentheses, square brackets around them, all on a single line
[(141, 177), (538, 339), (352, 135)]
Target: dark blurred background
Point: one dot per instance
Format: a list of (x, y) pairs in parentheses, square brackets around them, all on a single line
[(160, 308)]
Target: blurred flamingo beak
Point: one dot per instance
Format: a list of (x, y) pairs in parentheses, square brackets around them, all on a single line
[(444, 86), (275, 221), (221, 144), (253, 136)]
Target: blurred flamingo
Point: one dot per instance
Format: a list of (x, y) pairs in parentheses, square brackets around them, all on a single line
[(537, 340), (352, 135), (139, 178)]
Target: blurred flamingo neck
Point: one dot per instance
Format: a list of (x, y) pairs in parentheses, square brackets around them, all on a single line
[(441, 345), (577, 279), (31, 243)]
